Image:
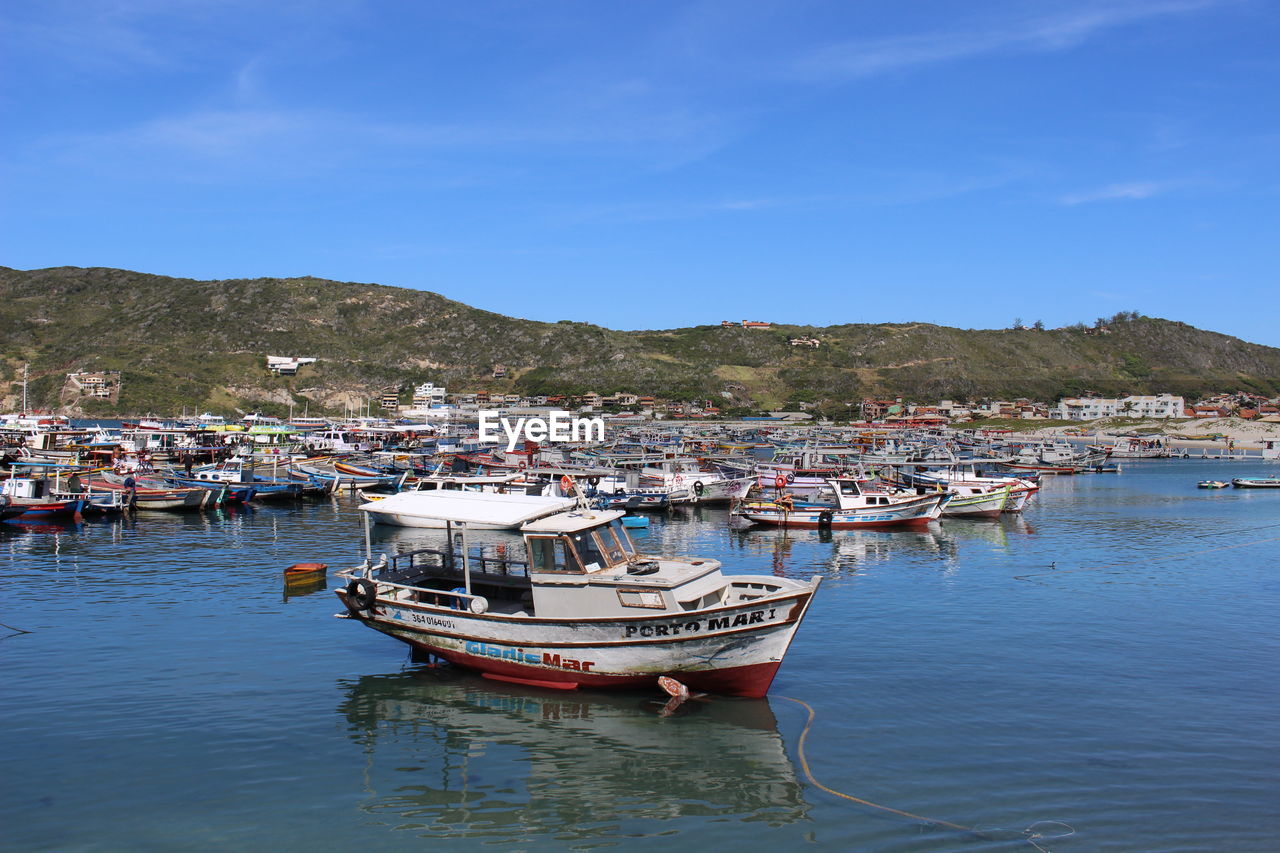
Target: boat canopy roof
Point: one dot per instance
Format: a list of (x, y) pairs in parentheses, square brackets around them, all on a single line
[(572, 522), (459, 507)]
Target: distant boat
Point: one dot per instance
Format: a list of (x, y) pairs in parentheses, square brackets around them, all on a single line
[(1212, 484), (1256, 482), (852, 507)]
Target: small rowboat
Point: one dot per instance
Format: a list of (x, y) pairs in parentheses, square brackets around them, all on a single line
[(305, 572), (1212, 484)]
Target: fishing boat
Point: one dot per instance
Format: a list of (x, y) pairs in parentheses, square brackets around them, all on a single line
[(234, 474), (977, 501), (584, 608), (1256, 482), (34, 497), (305, 573), (850, 506), (1213, 484)]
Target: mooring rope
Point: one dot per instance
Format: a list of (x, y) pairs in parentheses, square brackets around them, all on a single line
[(1032, 834)]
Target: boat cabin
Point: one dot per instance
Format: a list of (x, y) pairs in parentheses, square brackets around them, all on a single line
[(851, 493), (578, 564)]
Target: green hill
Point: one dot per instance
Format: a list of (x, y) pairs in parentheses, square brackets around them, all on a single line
[(202, 345)]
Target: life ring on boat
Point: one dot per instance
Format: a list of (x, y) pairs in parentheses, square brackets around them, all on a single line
[(780, 482), (791, 478), (825, 518), (566, 483), (520, 466), (698, 488), (363, 593)]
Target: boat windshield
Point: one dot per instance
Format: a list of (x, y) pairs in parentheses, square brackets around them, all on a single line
[(617, 544), (584, 542)]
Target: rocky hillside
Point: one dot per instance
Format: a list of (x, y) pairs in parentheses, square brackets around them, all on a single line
[(202, 344)]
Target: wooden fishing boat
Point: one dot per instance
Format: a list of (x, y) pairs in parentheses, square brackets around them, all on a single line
[(976, 501), (1213, 484), (34, 496), (161, 496), (584, 609), (851, 507), (35, 509), (304, 573)]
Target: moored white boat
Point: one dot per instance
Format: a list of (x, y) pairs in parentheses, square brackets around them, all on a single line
[(585, 609), (852, 507)]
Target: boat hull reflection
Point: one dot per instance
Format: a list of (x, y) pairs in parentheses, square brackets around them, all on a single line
[(450, 753)]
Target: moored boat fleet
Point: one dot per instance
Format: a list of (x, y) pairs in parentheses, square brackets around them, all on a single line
[(579, 604)]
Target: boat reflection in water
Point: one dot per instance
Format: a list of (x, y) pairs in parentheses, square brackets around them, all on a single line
[(1001, 531), (792, 551), (451, 753)]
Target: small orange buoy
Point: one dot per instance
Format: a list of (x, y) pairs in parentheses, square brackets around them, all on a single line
[(300, 572)]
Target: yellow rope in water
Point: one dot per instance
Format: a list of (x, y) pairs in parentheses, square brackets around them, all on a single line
[(804, 765), (1031, 834)]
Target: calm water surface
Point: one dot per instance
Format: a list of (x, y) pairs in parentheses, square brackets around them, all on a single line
[(1110, 659)]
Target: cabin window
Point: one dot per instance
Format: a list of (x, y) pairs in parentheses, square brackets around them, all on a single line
[(848, 488), (624, 538), (548, 554), (651, 599), (613, 550), (589, 553)]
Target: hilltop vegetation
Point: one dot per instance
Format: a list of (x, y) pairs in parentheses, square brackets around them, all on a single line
[(202, 344)]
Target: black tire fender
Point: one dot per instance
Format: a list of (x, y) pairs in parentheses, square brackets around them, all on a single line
[(362, 594), (825, 518)]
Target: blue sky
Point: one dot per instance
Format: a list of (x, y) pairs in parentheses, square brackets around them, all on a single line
[(656, 164)]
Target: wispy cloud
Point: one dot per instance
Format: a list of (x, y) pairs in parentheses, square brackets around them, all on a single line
[(216, 143), (1117, 192), (1061, 31)]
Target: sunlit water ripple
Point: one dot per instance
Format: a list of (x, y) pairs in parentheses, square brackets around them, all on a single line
[(1109, 659)]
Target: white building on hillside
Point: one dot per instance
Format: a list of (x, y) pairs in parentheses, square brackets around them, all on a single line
[(428, 394), (283, 365), (1092, 408)]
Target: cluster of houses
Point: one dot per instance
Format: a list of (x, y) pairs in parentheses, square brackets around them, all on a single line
[(1151, 406), (429, 398)]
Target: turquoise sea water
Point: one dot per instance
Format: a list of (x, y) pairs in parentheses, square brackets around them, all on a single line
[(1111, 659)]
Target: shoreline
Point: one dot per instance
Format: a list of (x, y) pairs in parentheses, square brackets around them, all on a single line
[(1244, 435)]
